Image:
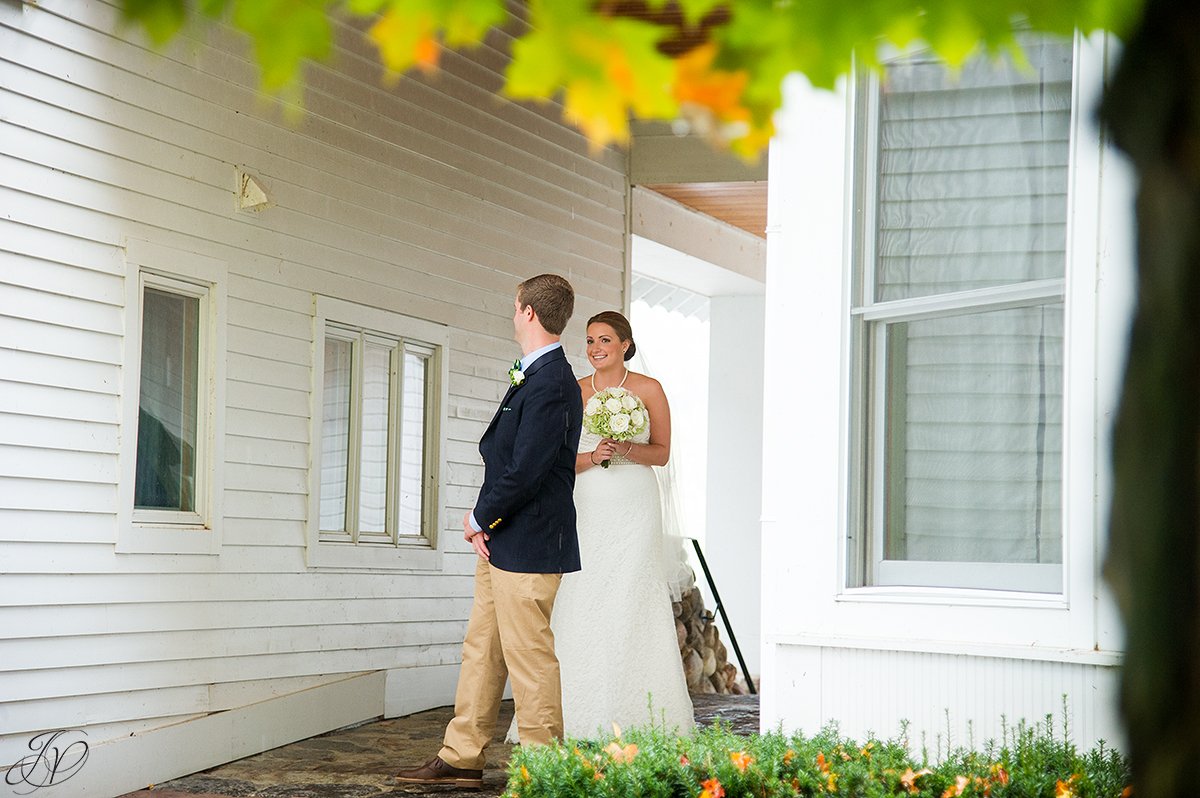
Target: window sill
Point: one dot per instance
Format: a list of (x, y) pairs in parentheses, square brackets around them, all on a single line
[(954, 596), (405, 557), (168, 539), (1073, 656)]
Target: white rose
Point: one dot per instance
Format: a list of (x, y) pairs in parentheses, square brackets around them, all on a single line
[(613, 404), (593, 407), (619, 423), (628, 402), (637, 418), (617, 391)]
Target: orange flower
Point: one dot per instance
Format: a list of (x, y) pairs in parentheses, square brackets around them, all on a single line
[(620, 754), (866, 750), (831, 782), (822, 765), (1065, 789), (741, 760), (960, 784), (1128, 791), (908, 779), (789, 756), (712, 789), (683, 760), (999, 774), (524, 773)]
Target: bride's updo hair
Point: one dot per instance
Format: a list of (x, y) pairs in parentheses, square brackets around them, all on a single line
[(620, 326)]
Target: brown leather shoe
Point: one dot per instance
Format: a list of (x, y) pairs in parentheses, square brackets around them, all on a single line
[(435, 771)]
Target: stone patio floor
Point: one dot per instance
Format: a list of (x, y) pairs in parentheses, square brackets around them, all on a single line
[(359, 761)]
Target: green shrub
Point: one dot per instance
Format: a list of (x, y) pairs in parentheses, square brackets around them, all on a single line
[(1030, 762)]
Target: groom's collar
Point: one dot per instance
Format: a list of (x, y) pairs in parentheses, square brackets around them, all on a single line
[(533, 356)]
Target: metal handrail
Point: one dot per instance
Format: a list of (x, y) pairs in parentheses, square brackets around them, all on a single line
[(724, 616)]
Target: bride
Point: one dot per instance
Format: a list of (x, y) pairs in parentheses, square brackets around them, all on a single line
[(613, 627)]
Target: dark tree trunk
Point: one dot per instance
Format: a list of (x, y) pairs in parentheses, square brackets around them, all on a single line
[(1152, 109)]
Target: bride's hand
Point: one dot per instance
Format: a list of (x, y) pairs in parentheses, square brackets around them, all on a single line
[(605, 451)]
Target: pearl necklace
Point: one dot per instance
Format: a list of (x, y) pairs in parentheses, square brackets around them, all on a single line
[(621, 384)]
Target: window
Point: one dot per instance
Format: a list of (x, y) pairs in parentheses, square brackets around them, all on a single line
[(377, 430), (170, 404), (174, 377), (958, 321)]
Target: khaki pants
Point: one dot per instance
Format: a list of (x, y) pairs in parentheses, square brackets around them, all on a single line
[(508, 636)]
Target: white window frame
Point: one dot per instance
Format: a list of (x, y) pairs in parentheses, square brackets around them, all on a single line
[(867, 569), (142, 531), (349, 320)]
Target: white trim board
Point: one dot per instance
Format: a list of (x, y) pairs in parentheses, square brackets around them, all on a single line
[(723, 259), (133, 762)]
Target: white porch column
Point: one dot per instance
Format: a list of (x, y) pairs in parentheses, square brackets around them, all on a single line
[(733, 541)]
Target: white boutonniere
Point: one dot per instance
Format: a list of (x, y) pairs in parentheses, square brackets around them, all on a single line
[(515, 375)]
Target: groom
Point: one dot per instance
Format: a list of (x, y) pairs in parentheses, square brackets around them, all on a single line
[(523, 529)]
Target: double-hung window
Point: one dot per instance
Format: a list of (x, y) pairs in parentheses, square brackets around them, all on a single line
[(957, 316), (377, 435)]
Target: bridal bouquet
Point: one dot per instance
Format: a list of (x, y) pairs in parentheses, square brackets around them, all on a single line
[(615, 413)]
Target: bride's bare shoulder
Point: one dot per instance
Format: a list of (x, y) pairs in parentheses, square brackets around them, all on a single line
[(643, 384)]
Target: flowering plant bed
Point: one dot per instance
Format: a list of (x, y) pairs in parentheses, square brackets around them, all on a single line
[(1031, 762)]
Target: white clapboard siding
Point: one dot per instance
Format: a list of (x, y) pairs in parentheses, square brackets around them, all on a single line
[(48, 621), (948, 700), (431, 198)]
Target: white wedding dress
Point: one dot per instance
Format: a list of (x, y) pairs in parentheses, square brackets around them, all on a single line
[(614, 631)]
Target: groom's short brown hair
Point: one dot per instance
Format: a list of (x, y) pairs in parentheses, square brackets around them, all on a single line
[(552, 299)]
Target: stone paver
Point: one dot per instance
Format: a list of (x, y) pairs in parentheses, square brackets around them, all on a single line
[(359, 762)]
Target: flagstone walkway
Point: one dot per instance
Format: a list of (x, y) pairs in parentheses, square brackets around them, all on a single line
[(359, 762)]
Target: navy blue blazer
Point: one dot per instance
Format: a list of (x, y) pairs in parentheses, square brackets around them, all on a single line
[(526, 504)]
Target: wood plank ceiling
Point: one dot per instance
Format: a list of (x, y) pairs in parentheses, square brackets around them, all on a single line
[(742, 204)]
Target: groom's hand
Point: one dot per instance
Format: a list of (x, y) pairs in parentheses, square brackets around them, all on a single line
[(478, 540)]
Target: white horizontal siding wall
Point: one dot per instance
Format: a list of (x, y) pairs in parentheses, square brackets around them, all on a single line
[(947, 700), (432, 198)]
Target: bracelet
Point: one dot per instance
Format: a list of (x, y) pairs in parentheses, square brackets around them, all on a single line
[(630, 449), (592, 457)]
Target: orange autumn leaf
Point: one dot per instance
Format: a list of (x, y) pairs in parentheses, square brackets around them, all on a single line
[(405, 40), (426, 53), (697, 82), (741, 760)]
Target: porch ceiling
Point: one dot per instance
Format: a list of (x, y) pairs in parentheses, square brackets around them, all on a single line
[(740, 203)]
